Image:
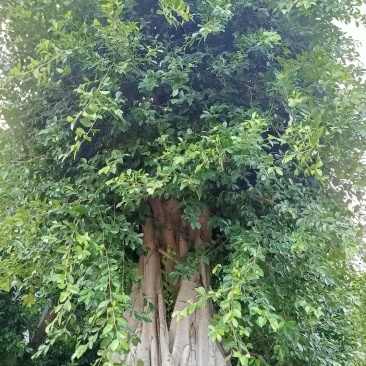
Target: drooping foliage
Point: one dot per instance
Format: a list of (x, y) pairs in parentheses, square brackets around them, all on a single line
[(249, 112)]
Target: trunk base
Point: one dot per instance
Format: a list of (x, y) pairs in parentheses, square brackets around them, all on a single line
[(183, 343)]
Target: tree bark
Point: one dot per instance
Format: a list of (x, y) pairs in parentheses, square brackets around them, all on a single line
[(47, 317), (184, 343)]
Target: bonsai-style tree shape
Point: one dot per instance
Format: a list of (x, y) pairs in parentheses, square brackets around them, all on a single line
[(177, 179)]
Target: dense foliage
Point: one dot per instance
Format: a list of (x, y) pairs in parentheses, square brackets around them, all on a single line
[(253, 109)]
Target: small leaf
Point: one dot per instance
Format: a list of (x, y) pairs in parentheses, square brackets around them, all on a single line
[(86, 122), (80, 131), (114, 345), (261, 321)]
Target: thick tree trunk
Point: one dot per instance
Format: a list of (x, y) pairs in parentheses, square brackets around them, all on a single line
[(183, 343)]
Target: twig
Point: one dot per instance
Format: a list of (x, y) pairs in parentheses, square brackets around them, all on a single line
[(165, 254)]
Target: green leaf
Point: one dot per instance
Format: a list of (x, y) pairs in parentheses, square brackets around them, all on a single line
[(261, 321), (114, 345), (86, 122), (80, 132)]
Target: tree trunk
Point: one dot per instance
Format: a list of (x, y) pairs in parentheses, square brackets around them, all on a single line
[(183, 343), (47, 317)]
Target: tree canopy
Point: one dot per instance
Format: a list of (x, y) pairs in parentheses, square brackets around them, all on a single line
[(180, 181)]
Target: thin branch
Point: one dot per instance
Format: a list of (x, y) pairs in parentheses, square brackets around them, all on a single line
[(273, 203), (165, 254)]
